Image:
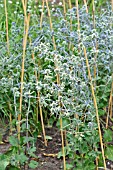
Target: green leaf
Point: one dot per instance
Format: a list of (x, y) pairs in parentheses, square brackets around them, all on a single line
[(104, 97), (13, 141), (101, 112), (69, 166), (85, 164), (109, 152), (100, 163), (59, 155), (33, 164), (107, 135), (28, 139), (3, 164), (31, 152), (22, 158), (65, 122), (33, 149), (48, 137)]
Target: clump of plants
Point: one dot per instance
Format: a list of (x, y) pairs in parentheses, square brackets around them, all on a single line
[(56, 66)]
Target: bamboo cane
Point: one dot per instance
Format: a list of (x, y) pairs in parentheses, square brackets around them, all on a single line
[(95, 57), (38, 93), (95, 105), (112, 4), (24, 4), (70, 6), (78, 29), (7, 33), (85, 3), (7, 38), (64, 7), (109, 112), (58, 82), (40, 108), (111, 99), (26, 27), (96, 54), (41, 14)]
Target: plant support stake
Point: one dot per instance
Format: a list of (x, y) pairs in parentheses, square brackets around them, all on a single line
[(95, 105), (22, 73), (58, 83)]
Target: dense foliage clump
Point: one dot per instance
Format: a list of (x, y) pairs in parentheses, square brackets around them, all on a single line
[(69, 99)]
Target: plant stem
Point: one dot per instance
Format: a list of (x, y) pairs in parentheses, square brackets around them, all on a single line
[(10, 119), (111, 96), (38, 93), (58, 83), (112, 4), (78, 29), (41, 14), (109, 112), (7, 33), (40, 108), (64, 7), (85, 3), (96, 47), (70, 6), (22, 71), (27, 119), (95, 105), (7, 38), (95, 57)]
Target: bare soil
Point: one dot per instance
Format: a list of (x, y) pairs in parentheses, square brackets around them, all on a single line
[(48, 155)]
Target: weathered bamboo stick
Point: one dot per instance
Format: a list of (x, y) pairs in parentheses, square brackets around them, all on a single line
[(85, 3), (26, 27), (58, 82), (95, 105), (7, 38)]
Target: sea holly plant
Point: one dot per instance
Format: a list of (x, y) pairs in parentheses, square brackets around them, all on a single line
[(76, 108)]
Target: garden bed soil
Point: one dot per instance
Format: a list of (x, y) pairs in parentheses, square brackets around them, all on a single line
[(47, 155)]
